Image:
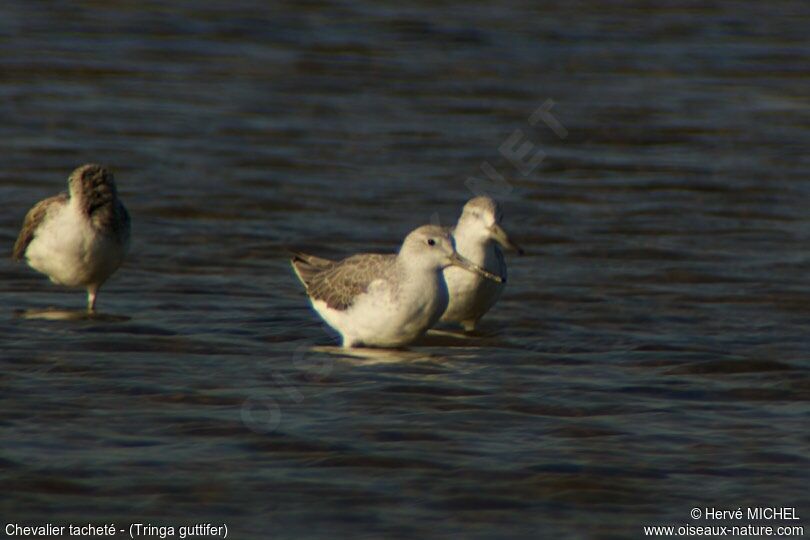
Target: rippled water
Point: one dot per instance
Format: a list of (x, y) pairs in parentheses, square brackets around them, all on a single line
[(650, 353)]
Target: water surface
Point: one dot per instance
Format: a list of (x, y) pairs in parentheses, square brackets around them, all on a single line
[(649, 354)]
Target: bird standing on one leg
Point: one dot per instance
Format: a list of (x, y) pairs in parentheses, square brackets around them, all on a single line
[(79, 238)]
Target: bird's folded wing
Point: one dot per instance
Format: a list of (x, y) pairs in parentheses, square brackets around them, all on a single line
[(33, 219), (340, 284)]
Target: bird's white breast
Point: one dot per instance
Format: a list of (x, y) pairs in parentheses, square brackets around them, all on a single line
[(388, 316), (70, 251), (472, 295)]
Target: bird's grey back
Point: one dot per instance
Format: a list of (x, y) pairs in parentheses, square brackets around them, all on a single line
[(340, 283)]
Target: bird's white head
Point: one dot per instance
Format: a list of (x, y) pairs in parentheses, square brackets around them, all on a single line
[(481, 220), (431, 247)]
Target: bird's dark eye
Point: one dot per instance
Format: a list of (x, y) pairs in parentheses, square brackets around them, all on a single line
[(431, 242)]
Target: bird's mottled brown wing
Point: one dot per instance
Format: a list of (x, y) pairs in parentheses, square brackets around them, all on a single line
[(340, 283), (306, 266), (33, 219), (122, 224)]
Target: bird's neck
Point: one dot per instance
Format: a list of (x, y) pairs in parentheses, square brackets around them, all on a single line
[(415, 276), (471, 245)]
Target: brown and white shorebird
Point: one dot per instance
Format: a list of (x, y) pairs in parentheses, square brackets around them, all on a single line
[(384, 300), (79, 238)]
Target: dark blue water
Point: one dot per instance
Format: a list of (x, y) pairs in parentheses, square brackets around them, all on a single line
[(649, 355)]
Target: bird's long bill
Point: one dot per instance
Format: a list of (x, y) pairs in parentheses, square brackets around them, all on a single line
[(500, 236), (458, 260)]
